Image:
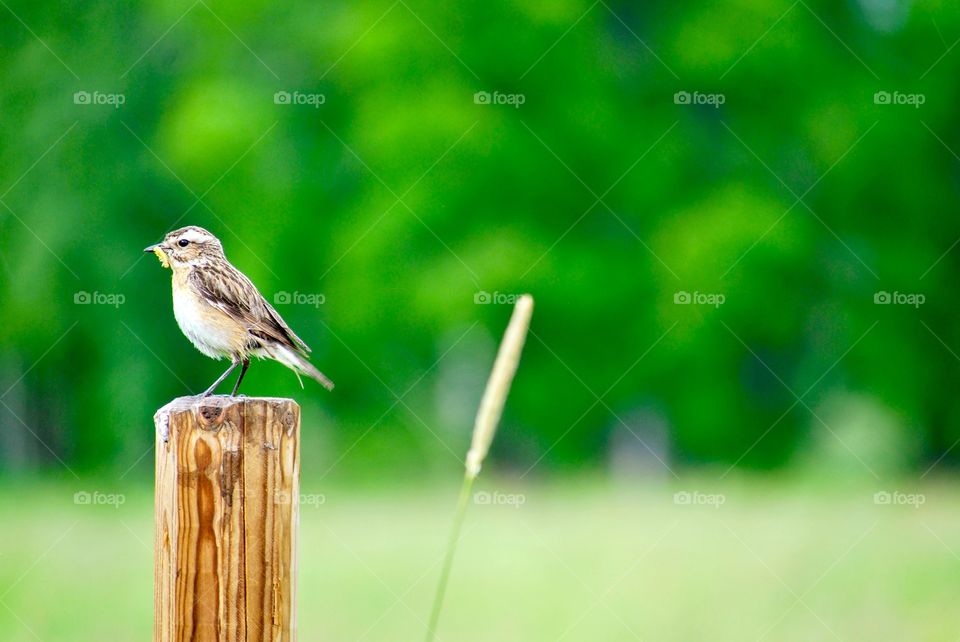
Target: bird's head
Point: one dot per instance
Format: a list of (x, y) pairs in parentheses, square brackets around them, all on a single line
[(187, 247)]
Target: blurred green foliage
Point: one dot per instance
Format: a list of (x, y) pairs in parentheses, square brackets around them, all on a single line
[(400, 198)]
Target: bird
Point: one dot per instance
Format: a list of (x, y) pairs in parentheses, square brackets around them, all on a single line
[(221, 311)]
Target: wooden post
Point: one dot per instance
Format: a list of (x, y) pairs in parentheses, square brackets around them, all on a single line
[(227, 516)]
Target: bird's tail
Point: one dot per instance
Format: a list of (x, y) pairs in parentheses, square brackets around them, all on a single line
[(299, 364)]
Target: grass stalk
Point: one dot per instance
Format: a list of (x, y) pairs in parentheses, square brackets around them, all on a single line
[(484, 429)]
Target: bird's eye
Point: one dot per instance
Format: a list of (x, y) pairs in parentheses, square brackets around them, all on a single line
[(183, 242)]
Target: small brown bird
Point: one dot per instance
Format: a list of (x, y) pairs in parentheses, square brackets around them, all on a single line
[(221, 311)]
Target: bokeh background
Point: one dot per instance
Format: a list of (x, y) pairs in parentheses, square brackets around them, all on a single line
[(739, 224)]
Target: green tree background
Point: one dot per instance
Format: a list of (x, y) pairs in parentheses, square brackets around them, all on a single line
[(402, 199)]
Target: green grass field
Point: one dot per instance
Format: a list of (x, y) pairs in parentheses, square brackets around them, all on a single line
[(585, 560)]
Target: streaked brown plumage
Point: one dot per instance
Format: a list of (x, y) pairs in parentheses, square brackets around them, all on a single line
[(221, 311)]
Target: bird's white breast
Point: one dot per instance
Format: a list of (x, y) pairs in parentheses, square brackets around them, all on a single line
[(205, 327)]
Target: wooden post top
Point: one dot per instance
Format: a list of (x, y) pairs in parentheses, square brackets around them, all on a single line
[(220, 401), (213, 407)]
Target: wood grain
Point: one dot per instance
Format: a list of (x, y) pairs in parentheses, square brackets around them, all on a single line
[(227, 516)]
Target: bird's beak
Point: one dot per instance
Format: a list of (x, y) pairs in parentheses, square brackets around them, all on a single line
[(161, 253)]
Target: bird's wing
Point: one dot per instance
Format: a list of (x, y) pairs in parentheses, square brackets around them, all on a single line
[(230, 291), (278, 321)]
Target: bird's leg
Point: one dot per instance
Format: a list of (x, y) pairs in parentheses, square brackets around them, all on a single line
[(243, 371), (220, 380)]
